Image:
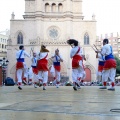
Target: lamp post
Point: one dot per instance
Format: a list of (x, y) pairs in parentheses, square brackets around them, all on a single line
[(3, 63)]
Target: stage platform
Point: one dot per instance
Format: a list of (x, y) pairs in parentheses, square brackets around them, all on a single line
[(88, 103)]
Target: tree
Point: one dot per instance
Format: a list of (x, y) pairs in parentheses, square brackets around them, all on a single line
[(118, 66)]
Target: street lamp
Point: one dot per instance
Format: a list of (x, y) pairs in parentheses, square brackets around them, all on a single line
[(4, 63)]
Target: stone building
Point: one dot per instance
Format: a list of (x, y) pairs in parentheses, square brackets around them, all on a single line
[(52, 22), (3, 45), (114, 41)]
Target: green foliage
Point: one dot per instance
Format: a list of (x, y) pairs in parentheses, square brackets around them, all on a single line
[(118, 66)]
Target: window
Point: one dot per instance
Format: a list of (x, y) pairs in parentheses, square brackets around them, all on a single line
[(20, 38), (86, 39), (60, 7), (47, 7), (53, 7), (2, 45)]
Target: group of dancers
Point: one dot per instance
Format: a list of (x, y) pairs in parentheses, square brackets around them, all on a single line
[(106, 64), (106, 67), (39, 66)]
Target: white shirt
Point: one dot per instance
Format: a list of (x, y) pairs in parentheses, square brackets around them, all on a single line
[(106, 50), (42, 55), (34, 61), (23, 55), (58, 58), (74, 51), (101, 57)]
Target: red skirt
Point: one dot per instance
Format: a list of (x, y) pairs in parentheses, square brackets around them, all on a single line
[(58, 68), (19, 65), (111, 63), (100, 68), (35, 70), (75, 61), (42, 65)]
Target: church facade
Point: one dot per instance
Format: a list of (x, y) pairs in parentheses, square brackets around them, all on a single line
[(52, 23)]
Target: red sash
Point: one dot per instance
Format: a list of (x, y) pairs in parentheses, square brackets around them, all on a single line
[(58, 68), (42, 64), (100, 68), (19, 65), (35, 70), (76, 59), (110, 63)]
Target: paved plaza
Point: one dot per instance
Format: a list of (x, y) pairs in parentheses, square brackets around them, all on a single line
[(88, 103)]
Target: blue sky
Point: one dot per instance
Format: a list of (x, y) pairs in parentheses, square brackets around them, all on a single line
[(107, 13)]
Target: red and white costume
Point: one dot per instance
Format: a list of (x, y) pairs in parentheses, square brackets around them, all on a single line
[(33, 72), (77, 63), (109, 69), (101, 61), (42, 66), (56, 67), (20, 65)]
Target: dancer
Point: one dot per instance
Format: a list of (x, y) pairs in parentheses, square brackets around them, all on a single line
[(77, 61), (101, 61), (109, 69), (34, 70), (20, 65), (82, 76), (42, 64), (55, 70)]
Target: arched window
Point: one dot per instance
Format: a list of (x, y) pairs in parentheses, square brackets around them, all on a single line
[(53, 7), (86, 39), (20, 38), (47, 7), (60, 7)]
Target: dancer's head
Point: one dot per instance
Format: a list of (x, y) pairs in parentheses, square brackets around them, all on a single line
[(21, 47), (57, 51), (105, 41), (72, 42)]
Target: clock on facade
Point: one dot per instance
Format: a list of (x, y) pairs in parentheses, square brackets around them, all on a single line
[(53, 32)]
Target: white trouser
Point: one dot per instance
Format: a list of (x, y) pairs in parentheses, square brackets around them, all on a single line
[(19, 75), (33, 76), (43, 75), (77, 73), (99, 76), (83, 75), (25, 71), (55, 73), (108, 73)]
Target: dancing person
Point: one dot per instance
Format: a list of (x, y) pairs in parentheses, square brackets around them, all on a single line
[(42, 66), (77, 61), (34, 70), (20, 65), (55, 70), (101, 61), (109, 69)]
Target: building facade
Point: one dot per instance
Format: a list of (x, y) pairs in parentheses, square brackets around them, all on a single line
[(52, 23), (3, 45), (114, 41)]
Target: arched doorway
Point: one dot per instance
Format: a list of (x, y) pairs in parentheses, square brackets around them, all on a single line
[(88, 75)]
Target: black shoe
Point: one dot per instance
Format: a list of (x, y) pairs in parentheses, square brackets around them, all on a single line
[(75, 88), (19, 88), (78, 86), (44, 88), (103, 87), (111, 89), (24, 82)]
